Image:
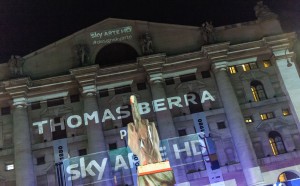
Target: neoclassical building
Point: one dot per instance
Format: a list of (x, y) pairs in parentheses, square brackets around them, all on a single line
[(70, 100)]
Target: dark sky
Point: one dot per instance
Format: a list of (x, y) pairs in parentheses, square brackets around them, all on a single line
[(27, 25)]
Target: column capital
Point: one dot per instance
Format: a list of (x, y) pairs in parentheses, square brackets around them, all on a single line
[(219, 66), (20, 102), (89, 90), (155, 78)]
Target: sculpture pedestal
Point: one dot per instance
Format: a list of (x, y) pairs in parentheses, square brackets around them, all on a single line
[(156, 174)]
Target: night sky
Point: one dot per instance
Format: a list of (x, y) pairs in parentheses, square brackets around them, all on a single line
[(27, 25)]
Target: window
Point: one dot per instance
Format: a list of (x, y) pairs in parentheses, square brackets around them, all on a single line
[(248, 119), (9, 166), (5, 111), (125, 120), (266, 116), (82, 152), (74, 98), (141, 86), (232, 70), (195, 105), (40, 160), (221, 125), (187, 77), (253, 65), (267, 63), (286, 112), (182, 132), (35, 105), (112, 146), (169, 81), (246, 67), (286, 176), (55, 102), (205, 74), (123, 89), (103, 93), (59, 133), (276, 143), (258, 91)]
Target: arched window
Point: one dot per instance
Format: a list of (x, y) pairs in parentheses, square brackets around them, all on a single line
[(194, 102), (258, 91), (276, 143), (287, 175), (116, 54)]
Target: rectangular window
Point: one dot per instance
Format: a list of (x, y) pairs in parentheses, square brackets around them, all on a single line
[(221, 125), (268, 115), (141, 86), (205, 74), (55, 102), (253, 65), (40, 160), (187, 77), (248, 119), (74, 98), (103, 93), (232, 70), (58, 133), (82, 152), (123, 89), (112, 146), (246, 67), (182, 132), (267, 63), (5, 111), (9, 166), (35, 105), (169, 81), (286, 112)]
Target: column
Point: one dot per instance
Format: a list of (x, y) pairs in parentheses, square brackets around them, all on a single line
[(237, 126), (24, 169), (96, 141), (163, 115)]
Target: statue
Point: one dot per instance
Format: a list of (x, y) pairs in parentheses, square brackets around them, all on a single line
[(207, 32), (143, 141), (263, 12), (83, 54), (15, 64), (147, 44)]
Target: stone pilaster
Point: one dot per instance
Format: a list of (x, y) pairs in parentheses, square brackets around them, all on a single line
[(24, 169), (289, 78), (237, 126)]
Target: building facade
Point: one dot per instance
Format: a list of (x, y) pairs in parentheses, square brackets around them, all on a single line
[(70, 100)]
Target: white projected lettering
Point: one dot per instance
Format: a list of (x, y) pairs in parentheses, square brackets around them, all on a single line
[(159, 105), (112, 35)]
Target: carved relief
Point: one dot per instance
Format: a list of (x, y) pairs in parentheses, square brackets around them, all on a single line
[(83, 54), (146, 43), (15, 64)]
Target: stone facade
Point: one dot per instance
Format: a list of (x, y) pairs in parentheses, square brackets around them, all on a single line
[(249, 69)]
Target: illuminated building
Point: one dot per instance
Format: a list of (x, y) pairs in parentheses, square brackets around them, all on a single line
[(249, 69)]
